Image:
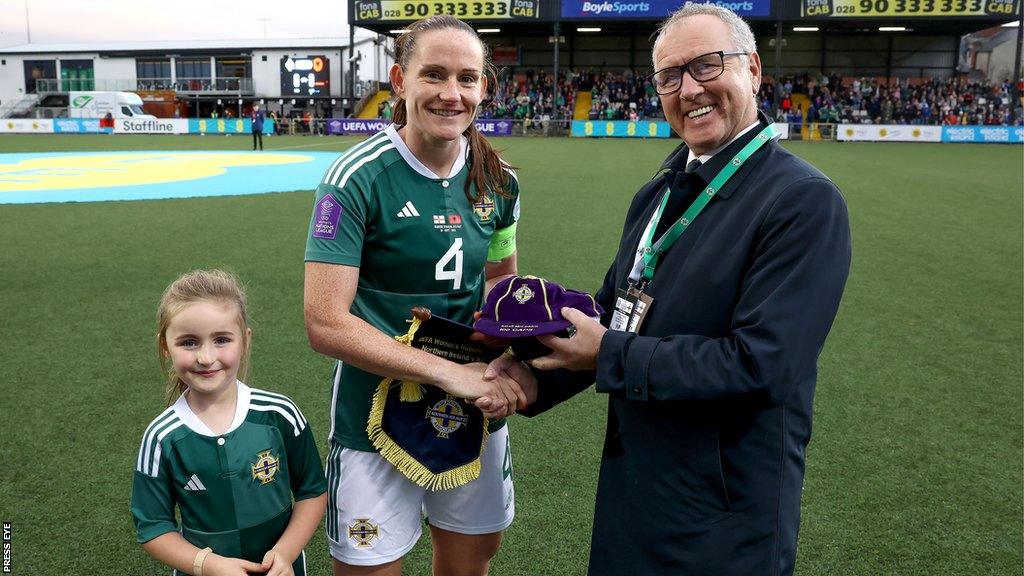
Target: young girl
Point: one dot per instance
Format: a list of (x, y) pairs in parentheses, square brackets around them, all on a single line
[(421, 214), (230, 458)]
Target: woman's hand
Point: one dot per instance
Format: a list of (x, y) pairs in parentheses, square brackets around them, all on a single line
[(506, 365), (276, 565), (505, 394), (215, 565)]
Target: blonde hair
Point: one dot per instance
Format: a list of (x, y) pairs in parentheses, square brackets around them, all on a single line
[(199, 286)]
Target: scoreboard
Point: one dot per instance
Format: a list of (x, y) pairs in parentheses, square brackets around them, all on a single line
[(305, 76), (366, 11), (908, 8)]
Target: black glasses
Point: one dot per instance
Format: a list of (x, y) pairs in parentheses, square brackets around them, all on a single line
[(703, 68)]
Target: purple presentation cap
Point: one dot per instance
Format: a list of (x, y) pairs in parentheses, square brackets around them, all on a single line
[(523, 306)]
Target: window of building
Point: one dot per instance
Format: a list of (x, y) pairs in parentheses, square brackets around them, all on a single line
[(234, 67), (192, 67), (145, 69), (38, 70)]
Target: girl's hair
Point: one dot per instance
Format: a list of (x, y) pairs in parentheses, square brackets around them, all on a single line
[(199, 286), (486, 172)]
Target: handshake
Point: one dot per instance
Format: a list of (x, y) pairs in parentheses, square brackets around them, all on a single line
[(543, 326)]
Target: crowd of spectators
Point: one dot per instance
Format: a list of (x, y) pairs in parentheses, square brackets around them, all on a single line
[(951, 101), (536, 98), (614, 96)]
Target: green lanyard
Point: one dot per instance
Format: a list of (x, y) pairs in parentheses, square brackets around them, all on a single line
[(652, 253)]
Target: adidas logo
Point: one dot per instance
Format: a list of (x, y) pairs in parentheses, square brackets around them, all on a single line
[(195, 485), (408, 211)]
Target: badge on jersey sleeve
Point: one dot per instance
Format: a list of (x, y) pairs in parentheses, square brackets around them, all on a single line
[(430, 436), (328, 215)]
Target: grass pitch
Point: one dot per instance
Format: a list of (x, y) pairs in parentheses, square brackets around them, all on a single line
[(915, 467)]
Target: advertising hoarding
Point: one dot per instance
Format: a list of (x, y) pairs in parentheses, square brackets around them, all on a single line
[(338, 126), (908, 8), (888, 132), (78, 126), (26, 126), (654, 9), (984, 134), (411, 10)]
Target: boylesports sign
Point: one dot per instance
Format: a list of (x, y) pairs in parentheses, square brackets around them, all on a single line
[(657, 9)]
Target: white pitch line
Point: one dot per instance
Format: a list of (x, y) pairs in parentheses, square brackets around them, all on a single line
[(303, 146)]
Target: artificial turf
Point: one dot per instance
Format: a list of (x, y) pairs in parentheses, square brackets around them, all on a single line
[(914, 468)]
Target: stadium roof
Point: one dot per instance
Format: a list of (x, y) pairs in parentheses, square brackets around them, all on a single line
[(173, 45)]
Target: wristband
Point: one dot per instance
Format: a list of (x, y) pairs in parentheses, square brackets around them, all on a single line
[(197, 564)]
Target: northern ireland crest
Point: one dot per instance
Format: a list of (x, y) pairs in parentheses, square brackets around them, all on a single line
[(265, 468), (446, 416), (363, 532)]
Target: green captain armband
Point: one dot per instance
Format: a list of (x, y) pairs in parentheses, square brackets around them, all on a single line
[(503, 244)]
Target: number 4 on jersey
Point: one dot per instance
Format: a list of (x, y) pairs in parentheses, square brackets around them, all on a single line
[(440, 269)]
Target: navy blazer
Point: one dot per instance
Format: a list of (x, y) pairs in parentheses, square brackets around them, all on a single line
[(709, 409)]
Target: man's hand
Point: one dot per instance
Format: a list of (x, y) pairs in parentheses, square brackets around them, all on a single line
[(504, 392), (579, 352), (506, 365)]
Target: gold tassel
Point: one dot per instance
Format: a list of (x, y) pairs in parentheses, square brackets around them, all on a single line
[(411, 391), (408, 465), (393, 453)]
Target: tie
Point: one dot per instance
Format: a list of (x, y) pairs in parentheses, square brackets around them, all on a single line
[(679, 197)]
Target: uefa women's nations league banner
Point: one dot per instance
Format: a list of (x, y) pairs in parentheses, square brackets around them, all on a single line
[(339, 126), (916, 133)]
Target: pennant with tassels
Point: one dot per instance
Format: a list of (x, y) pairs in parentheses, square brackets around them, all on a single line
[(433, 438)]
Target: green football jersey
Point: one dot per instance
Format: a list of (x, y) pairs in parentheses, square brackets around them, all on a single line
[(417, 241), (233, 491)]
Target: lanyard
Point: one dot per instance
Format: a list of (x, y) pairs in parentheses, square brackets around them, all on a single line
[(646, 265)]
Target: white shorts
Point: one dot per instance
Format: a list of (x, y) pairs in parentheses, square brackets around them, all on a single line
[(374, 513)]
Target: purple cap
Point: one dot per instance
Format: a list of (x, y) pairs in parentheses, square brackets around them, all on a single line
[(523, 306)]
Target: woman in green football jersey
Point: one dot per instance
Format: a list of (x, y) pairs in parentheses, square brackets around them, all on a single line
[(421, 214), (229, 458)]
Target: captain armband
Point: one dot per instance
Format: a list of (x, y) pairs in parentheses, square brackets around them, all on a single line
[(503, 244)]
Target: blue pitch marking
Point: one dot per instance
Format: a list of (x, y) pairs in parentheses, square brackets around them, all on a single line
[(235, 180)]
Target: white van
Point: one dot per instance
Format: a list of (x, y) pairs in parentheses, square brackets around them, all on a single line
[(98, 104)]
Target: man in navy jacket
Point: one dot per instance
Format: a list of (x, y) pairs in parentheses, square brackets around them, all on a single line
[(710, 393)]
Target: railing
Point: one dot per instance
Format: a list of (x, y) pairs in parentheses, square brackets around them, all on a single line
[(365, 91), (812, 131), (184, 85), (19, 107)]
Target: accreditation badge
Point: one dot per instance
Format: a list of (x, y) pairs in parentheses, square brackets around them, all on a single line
[(433, 438), (631, 307)]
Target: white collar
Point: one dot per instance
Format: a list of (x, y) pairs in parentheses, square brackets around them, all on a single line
[(705, 157), (184, 411), (418, 166)]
